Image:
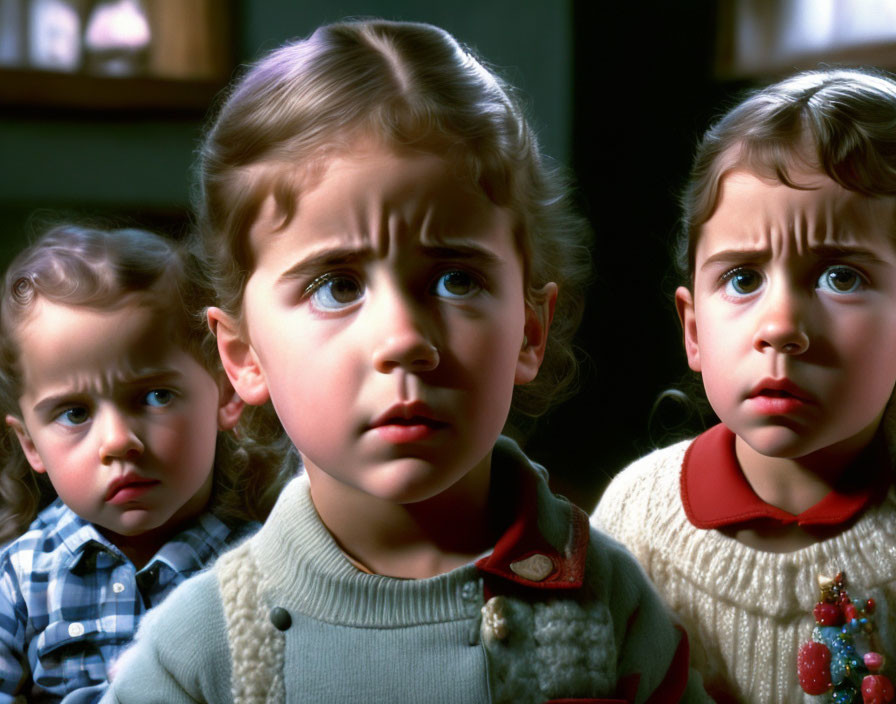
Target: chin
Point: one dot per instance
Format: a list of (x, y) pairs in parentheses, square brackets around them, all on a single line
[(411, 482), (780, 441)]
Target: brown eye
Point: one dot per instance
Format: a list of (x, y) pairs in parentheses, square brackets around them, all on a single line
[(840, 279), (456, 284), (333, 292), (742, 282), (76, 415)]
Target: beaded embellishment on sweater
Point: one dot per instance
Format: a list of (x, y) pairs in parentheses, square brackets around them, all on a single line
[(842, 659)]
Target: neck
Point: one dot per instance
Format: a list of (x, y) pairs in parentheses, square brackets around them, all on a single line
[(410, 541), (139, 549), (795, 484)]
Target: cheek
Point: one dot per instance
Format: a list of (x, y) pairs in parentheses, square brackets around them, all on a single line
[(310, 383), (872, 366), (186, 443)]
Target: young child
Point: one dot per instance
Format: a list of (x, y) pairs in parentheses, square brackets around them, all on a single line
[(390, 246), (789, 314), (114, 400)]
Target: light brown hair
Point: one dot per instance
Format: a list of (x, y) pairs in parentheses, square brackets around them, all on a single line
[(839, 122), (412, 86), (106, 269)]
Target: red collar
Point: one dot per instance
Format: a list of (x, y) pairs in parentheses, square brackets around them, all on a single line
[(716, 494), (524, 556)]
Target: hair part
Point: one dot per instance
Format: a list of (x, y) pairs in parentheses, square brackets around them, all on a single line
[(839, 122), (108, 269), (413, 87)]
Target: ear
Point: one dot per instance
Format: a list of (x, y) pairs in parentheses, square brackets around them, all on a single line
[(230, 405), (684, 304), (239, 359), (535, 334), (31, 453)]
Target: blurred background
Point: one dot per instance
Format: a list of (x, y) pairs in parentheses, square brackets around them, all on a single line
[(102, 103)]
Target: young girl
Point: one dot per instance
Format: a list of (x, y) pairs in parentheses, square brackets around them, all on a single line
[(789, 314), (389, 249), (114, 403)]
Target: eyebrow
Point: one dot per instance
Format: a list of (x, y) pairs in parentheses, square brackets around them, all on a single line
[(822, 251), (144, 378), (347, 256), (326, 259), (463, 252)]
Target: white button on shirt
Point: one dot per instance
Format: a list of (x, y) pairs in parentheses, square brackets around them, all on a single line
[(75, 629)]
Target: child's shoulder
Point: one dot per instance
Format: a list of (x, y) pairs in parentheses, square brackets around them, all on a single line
[(649, 485), (52, 530), (662, 466)]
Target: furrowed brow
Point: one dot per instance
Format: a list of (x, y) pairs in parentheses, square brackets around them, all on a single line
[(323, 261), (140, 379), (826, 251), (733, 257), (462, 252)]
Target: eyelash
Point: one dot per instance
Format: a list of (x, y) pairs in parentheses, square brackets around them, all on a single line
[(728, 276), (320, 281), (141, 399)]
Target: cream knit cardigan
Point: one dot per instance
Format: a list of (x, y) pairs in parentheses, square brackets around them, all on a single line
[(747, 611)]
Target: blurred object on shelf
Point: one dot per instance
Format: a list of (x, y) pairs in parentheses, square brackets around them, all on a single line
[(117, 38), (99, 55), (54, 36), (186, 40), (765, 39)]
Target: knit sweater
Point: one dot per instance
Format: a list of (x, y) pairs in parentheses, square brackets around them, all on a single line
[(746, 611), (286, 617)]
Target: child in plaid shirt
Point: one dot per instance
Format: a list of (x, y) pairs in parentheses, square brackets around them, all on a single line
[(117, 463)]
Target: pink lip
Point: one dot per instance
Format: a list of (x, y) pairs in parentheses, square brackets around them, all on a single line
[(407, 423), (778, 397), (128, 488)]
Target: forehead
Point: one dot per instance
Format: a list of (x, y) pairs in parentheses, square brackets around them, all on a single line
[(754, 212), (60, 343), (377, 197)]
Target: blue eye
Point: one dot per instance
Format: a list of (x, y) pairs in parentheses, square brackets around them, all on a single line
[(841, 279), (456, 284), (334, 292), (76, 415), (742, 282), (159, 398)]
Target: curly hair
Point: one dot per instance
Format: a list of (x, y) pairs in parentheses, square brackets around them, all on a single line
[(838, 121), (106, 269), (413, 86)]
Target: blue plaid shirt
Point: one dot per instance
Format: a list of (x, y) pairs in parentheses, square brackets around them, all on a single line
[(70, 601)]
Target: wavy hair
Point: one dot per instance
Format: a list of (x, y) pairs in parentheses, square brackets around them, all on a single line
[(840, 122), (108, 269), (412, 86)]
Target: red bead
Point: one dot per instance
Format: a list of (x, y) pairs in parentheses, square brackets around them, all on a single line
[(870, 606), (827, 614), (814, 668), (873, 661), (877, 689), (851, 612)]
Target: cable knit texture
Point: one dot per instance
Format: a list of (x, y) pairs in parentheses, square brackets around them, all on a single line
[(746, 611), (256, 646)]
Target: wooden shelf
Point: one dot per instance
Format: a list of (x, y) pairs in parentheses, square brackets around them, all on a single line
[(45, 90)]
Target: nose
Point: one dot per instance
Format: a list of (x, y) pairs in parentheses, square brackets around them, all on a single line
[(401, 340), (782, 324), (118, 440)]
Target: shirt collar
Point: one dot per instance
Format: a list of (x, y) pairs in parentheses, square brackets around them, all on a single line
[(529, 554), (186, 552), (192, 548), (715, 493), (73, 532)]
